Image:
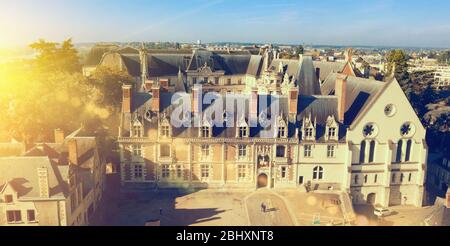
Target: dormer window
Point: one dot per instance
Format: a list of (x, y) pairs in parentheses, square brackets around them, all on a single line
[(281, 128), (165, 131), (205, 131), (8, 198), (243, 132), (331, 131), (308, 129), (281, 132), (242, 129)]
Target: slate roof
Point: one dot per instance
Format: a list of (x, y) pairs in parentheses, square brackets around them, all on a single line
[(21, 171), (327, 68), (318, 107), (360, 92), (21, 174), (95, 55)]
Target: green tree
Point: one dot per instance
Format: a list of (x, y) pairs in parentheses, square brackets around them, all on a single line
[(55, 57), (299, 50), (109, 82)]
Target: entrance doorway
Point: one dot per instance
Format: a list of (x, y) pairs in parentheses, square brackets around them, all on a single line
[(371, 198), (262, 180)]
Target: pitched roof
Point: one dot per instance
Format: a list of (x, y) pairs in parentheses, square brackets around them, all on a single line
[(360, 92), (21, 173)]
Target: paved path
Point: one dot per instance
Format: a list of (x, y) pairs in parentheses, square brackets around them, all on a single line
[(277, 213)]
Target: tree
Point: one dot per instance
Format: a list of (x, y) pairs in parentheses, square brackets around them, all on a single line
[(299, 50), (109, 81), (54, 57)]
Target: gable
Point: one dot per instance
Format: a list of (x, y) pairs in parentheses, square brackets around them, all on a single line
[(388, 126), (348, 70)]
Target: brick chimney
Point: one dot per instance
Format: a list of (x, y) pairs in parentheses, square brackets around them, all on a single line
[(44, 191), (340, 90), (59, 135), (156, 98), (126, 98), (253, 107), (196, 102), (73, 151), (293, 101)]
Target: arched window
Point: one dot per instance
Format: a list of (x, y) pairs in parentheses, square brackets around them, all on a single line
[(372, 151), (398, 157), (318, 173), (408, 150), (362, 152)]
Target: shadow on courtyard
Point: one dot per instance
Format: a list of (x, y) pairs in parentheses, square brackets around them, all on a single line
[(134, 207)]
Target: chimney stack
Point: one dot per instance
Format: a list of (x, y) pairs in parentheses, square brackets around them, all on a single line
[(156, 98), (44, 191), (340, 90), (126, 98), (253, 106), (196, 99), (59, 135), (73, 151), (293, 101)]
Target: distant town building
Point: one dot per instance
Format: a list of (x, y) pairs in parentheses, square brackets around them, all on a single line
[(52, 184)]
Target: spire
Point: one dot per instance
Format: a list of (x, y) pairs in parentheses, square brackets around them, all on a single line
[(144, 62)]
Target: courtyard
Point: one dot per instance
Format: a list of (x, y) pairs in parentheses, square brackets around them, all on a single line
[(182, 207)]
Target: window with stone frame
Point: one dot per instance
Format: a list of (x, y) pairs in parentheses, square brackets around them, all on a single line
[(165, 130), (205, 131), (165, 150), (216, 80), (242, 151), (205, 150), (138, 171), (204, 169), (281, 132), (137, 130), (331, 132), (318, 173), (331, 151), (14, 216), (283, 172), (179, 171), (165, 171), (308, 132), (242, 172), (281, 151), (243, 131), (307, 152), (137, 149)]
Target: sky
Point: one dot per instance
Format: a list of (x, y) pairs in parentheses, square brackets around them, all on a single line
[(406, 23)]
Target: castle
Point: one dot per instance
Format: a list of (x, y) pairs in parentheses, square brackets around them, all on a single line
[(331, 130)]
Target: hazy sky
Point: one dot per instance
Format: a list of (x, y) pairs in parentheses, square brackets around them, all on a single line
[(340, 22)]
